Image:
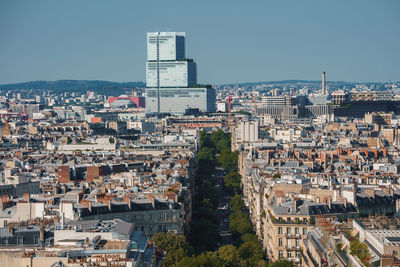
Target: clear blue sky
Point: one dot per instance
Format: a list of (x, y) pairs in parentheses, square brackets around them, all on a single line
[(232, 41)]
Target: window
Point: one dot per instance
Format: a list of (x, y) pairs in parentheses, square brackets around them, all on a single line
[(20, 240), (296, 230), (297, 243), (297, 254), (289, 254), (304, 220), (36, 240), (304, 231), (279, 230), (289, 243), (288, 230), (280, 242), (280, 254)]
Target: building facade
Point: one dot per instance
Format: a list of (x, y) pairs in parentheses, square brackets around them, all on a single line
[(171, 78), (178, 100), (179, 73)]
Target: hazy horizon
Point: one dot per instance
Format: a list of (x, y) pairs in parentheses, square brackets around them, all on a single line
[(232, 41)]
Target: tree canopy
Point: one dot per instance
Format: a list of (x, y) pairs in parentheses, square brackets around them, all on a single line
[(246, 251), (175, 245), (232, 181)]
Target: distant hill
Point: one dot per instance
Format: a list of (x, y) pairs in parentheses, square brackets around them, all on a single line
[(288, 82), (101, 87)]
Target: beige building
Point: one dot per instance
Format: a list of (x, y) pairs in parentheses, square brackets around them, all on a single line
[(20, 212), (379, 118)]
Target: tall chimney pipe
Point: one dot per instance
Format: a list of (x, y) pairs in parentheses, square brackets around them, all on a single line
[(323, 83)]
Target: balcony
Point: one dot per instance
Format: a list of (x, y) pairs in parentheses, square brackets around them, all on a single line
[(294, 236), (274, 220), (295, 248)]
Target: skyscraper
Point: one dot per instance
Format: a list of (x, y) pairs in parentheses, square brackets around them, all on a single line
[(167, 45), (171, 78)]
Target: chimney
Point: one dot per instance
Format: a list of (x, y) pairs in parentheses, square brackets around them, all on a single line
[(109, 205), (153, 202), (41, 235), (128, 201), (297, 204), (323, 83), (398, 205), (11, 229), (55, 190), (330, 203)]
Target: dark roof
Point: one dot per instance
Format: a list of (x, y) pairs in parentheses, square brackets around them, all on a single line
[(123, 227)]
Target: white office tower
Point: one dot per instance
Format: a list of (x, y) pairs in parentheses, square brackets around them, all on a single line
[(171, 46), (166, 61), (171, 73), (248, 131), (171, 78)]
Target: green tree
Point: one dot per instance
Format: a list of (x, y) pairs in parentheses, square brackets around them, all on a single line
[(229, 256), (205, 140), (111, 140), (282, 263), (175, 245), (249, 238), (252, 252), (232, 181), (240, 222), (205, 234), (223, 144), (207, 259), (207, 210), (228, 160), (237, 202), (69, 140), (205, 162), (220, 140)]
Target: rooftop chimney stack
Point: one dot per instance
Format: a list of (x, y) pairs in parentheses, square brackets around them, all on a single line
[(323, 83)]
